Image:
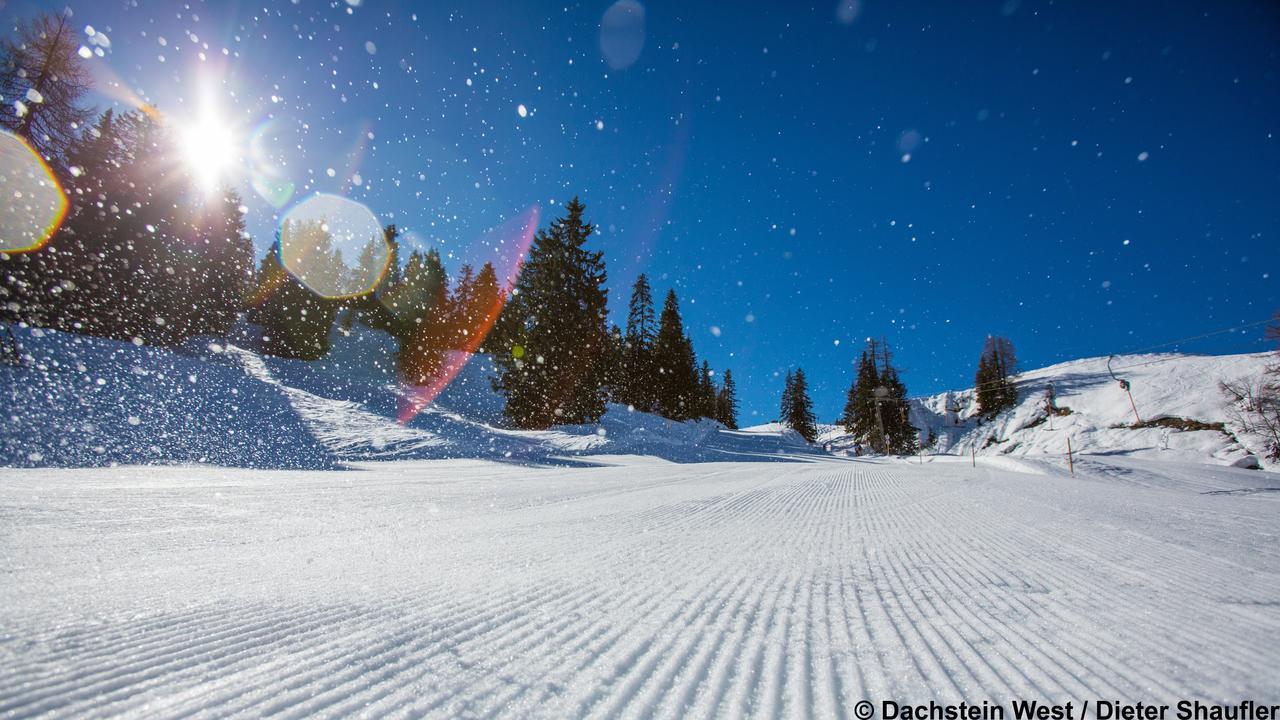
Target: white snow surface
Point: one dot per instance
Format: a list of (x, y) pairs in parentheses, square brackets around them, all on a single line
[(467, 588), (208, 532)]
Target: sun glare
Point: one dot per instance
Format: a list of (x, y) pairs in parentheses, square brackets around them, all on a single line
[(210, 149)]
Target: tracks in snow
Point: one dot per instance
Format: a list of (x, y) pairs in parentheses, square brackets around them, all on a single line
[(707, 590)]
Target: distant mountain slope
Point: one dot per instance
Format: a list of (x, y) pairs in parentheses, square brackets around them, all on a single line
[(1182, 411)]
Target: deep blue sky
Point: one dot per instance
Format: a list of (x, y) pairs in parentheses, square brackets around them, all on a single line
[(1084, 177)]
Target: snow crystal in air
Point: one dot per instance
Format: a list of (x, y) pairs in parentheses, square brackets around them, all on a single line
[(848, 10), (524, 111)]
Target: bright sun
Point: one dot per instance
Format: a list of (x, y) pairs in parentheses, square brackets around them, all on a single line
[(209, 148)]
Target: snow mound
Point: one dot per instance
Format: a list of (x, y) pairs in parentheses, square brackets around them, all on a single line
[(80, 401)]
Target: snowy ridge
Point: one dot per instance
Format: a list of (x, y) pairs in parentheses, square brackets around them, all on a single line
[(1096, 414)]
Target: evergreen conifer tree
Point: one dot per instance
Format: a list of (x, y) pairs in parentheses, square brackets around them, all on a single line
[(639, 381), (706, 391), (860, 407), (295, 321), (488, 299), (993, 384), (676, 373), (901, 437), (554, 371), (613, 363), (420, 306), (788, 397), (799, 415), (727, 402)]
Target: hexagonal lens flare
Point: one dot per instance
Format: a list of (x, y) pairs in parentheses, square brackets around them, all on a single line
[(33, 204), (334, 246)]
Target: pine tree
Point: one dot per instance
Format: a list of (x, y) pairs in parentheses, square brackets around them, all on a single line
[(706, 391), (860, 418), (52, 286), (727, 402), (391, 234), (613, 363), (42, 80), (901, 437), (639, 377), (463, 313), (219, 280), (555, 370), (676, 372), (488, 300), (788, 397), (799, 414), (420, 306), (295, 321), (993, 385)]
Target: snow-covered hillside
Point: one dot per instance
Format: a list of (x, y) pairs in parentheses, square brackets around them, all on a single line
[(1183, 413), (84, 401), (78, 401)]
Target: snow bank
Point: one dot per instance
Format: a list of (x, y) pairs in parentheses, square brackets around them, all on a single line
[(75, 400), (80, 401)]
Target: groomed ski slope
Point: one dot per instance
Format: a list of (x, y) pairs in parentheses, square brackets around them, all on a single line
[(471, 588)]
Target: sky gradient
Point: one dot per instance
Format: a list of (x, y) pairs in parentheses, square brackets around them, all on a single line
[(1084, 178)]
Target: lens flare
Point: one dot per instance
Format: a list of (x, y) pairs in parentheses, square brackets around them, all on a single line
[(509, 243), (334, 246), (268, 147), (33, 204), (622, 34)]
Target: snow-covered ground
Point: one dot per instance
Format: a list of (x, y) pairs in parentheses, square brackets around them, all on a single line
[(79, 401), (468, 588), (209, 531)]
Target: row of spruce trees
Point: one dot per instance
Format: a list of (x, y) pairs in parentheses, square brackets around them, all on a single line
[(560, 360), (876, 411)]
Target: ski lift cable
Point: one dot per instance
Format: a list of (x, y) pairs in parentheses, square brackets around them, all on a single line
[(1149, 348)]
